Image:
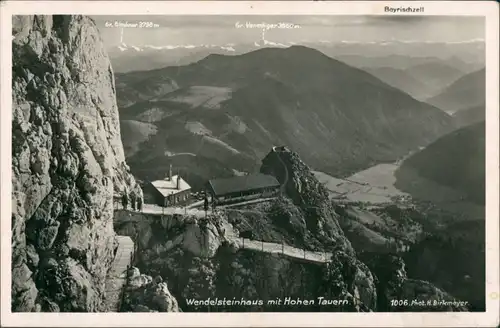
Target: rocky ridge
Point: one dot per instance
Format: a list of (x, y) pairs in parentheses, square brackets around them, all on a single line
[(67, 162), (308, 195), (393, 283)]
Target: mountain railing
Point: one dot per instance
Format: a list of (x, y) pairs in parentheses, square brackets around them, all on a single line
[(284, 250)]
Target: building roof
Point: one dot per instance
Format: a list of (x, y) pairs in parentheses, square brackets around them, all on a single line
[(168, 187), (242, 183)]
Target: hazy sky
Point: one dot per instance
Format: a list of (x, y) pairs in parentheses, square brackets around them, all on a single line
[(219, 30)]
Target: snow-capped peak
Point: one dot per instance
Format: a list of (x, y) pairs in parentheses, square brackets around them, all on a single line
[(228, 48), (122, 47), (271, 43), (231, 47)]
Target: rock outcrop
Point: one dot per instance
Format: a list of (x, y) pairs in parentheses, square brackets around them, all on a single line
[(67, 163), (348, 278), (157, 234), (412, 295), (145, 294), (308, 194)]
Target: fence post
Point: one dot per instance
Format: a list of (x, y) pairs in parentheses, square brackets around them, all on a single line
[(243, 241), (263, 246), (304, 253), (283, 247)]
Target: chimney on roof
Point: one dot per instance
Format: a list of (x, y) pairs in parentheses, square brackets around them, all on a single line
[(170, 173), (178, 181)]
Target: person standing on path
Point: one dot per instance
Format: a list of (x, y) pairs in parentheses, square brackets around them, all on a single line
[(205, 205), (139, 204), (133, 200), (124, 200)]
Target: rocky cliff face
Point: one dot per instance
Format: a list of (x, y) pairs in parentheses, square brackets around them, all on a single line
[(67, 162)]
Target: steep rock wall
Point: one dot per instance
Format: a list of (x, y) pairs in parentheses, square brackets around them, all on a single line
[(67, 162)]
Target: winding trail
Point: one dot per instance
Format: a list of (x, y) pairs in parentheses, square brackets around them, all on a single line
[(275, 248), (287, 250)]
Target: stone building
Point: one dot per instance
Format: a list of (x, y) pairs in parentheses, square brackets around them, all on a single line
[(171, 191)]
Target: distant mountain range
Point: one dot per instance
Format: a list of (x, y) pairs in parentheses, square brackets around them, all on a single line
[(422, 80), (467, 92), (222, 114), (401, 79), (403, 62), (435, 75), (467, 55), (399, 64)]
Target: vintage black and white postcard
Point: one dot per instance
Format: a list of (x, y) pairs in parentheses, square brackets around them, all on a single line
[(248, 164)]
